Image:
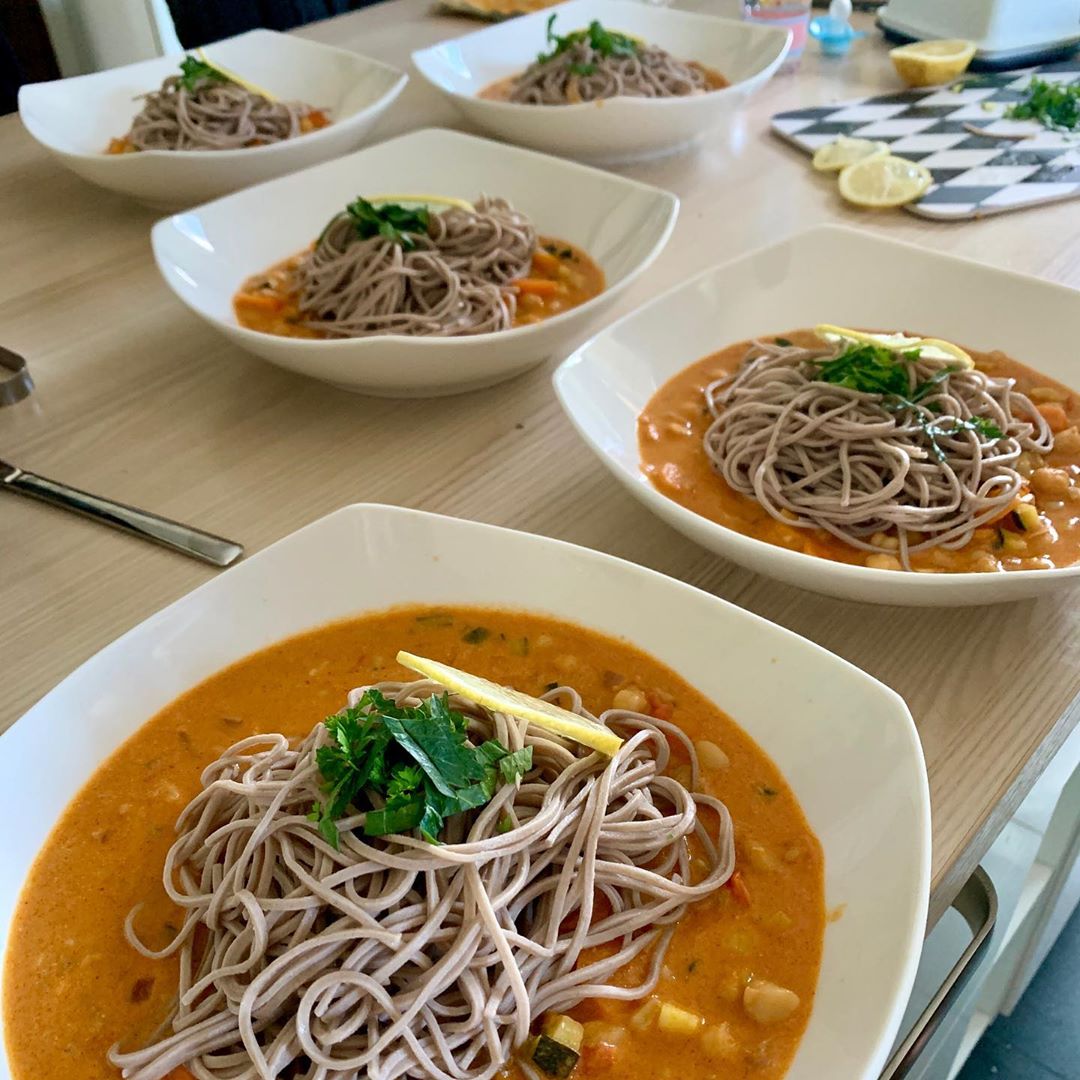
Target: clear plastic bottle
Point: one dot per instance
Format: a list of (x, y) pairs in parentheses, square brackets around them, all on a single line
[(793, 15)]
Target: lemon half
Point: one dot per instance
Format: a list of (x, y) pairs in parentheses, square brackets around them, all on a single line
[(844, 151), (880, 182), (505, 700), (930, 348), (927, 63)]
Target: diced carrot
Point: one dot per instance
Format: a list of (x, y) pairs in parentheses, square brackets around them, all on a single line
[(599, 1055), (1054, 415), (120, 146), (260, 301), (1007, 511), (661, 704), (737, 884), (314, 120), (544, 262), (537, 287)]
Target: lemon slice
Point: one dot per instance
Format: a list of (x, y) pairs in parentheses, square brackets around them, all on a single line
[(844, 151), (422, 200), (251, 87), (927, 63), (525, 707), (879, 182), (930, 348)]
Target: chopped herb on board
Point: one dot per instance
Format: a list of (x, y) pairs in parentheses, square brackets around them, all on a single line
[(1054, 105)]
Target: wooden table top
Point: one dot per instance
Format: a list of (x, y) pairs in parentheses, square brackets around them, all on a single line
[(138, 399)]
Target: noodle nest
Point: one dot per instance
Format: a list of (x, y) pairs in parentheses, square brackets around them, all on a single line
[(212, 114), (451, 281), (393, 957), (924, 473), (582, 73)]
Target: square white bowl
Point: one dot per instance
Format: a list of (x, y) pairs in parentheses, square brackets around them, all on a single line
[(206, 253), (845, 743), (826, 274), (617, 129), (75, 118)]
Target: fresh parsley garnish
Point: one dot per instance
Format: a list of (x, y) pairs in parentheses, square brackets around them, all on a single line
[(194, 71), (417, 762), (398, 224), (874, 369), (1054, 105), (603, 42), (871, 369)]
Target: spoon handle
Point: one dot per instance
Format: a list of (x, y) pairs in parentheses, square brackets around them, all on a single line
[(170, 534)]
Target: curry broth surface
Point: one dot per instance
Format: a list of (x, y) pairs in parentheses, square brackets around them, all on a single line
[(74, 987), (671, 431)]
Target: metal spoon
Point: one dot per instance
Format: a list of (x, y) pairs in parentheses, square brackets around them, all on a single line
[(170, 534)]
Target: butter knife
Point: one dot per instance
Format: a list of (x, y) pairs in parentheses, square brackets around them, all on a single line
[(170, 534)]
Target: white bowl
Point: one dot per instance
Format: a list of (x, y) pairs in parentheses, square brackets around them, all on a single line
[(618, 129), (206, 253), (845, 742), (826, 274), (75, 118)]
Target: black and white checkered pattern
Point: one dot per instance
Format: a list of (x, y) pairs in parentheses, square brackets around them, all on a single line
[(974, 175)]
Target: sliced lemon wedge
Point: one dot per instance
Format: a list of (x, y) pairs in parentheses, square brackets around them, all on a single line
[(930, 348), (422, 200), (505, 700), (844, 151), (879, 182), (927, 63), (251, 87)]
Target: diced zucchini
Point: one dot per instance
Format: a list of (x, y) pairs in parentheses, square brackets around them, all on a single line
[(1010, 543), (553, 1059), (1026, 518), (676, 1021), (563, 1029)]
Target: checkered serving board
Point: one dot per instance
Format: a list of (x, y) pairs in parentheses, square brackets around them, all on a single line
[(975, 174)]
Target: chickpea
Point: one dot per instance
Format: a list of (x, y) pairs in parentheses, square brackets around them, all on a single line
[(768, 1003), (1050, 481), (631, 698), (1068, 441), (710, 755), (883, 562), (889, 541), (718, 1042)]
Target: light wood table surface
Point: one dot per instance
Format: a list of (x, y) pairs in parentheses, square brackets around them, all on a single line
[(137, 399)]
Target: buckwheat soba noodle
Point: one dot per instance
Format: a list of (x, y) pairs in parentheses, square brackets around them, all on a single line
[(393, 956), (450, 279), (596, 63), (202, 109), (423, 266), (926, 460)]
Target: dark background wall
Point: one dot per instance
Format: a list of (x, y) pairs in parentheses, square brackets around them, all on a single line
[(25, 52)]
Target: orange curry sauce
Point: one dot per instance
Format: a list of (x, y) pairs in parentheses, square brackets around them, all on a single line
[(672, 427), (74, 987), (501, 89), (311, 121), (561, 277)]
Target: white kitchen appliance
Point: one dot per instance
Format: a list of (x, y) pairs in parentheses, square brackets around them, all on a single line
[(1007, 33)]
